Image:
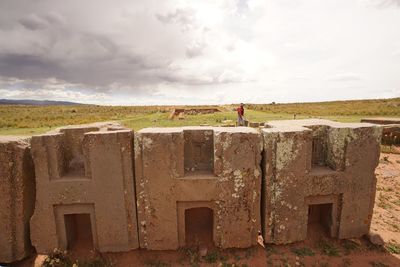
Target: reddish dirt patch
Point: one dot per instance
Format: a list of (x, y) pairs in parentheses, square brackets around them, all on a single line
[(386, 218)]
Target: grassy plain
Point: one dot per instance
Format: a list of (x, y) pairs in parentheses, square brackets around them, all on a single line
[(28, 120)]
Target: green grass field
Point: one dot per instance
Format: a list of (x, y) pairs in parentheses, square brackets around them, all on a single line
[(29, 120)]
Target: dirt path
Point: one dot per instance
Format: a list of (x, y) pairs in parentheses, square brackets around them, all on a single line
[(386, 218)]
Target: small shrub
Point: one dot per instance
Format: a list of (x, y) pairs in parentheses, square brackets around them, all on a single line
[(328, 249), (349, 246), (249, 253), (384, 202), (61, 259), (269, 249), (193, 255), (301, 252), (393, 248), (212, 257), (57, 259)]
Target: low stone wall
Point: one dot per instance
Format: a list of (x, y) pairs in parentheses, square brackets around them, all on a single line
[(391, 134), (181, 112), (166, 188), (391, 129), (381, 121)]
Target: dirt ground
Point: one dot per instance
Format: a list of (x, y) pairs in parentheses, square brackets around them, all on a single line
[(318, 250)]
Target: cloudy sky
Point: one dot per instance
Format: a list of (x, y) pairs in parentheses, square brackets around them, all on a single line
[(133, 52)]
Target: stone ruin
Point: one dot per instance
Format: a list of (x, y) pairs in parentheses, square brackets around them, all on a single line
[(104, 187), (390, 129), (254, 124), (381, 121), (181, 112), (318, 171), (84, 179), (17, 197), (183, 174)]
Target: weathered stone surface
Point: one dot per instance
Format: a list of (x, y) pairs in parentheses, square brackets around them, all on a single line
[(311, 162), (391, 129), (17, 198), (381, 120), (84, 170), (312, 170), (180, 169), (375, 239), (391, 134)]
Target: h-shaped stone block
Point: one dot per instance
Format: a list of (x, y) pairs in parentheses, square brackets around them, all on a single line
[(180, 169), (84, 170)]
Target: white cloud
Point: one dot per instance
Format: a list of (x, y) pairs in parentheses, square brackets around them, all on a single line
[(345, 77), (201, 51)]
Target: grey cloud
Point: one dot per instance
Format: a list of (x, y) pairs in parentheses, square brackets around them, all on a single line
[(183, 17), (132, 48), (195, 49), (197, 80), (25, 66), (61, 45), (35, 22), (54, 18), (242, 5), (383, 3), (89, 66), (390, 3), (99, 73)]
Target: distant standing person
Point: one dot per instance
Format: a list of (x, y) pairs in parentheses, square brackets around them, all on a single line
[(240, 112)]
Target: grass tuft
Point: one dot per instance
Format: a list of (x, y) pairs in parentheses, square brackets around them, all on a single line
[(212, 257), (393, 248), (301, 252), (377, 264), (349, 246), (60, 259), (328, 249)]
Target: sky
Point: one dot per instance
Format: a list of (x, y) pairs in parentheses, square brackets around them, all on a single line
[(131, 52)]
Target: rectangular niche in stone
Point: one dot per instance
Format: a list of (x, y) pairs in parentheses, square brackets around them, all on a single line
[(76, 226), (198, 152)]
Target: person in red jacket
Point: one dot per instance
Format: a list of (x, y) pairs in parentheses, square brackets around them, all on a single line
[(240, 112)]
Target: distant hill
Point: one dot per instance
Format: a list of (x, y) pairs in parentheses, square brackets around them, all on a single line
[(36, 102)]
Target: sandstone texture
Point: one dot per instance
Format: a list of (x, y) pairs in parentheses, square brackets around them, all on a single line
[(84, 170), (103, 187), (181, 169), (318, 170), (17, 198), (391, 129), (381, 120), (391, 134)]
